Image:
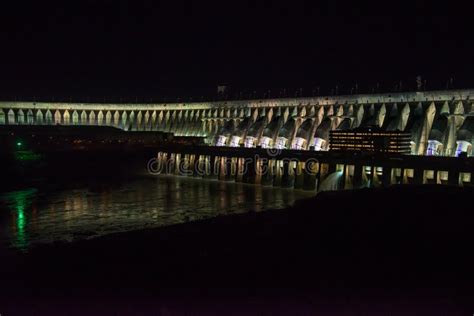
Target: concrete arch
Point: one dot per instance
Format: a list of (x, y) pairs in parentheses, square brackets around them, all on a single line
[(178, 123), (83, 118), (429, 115), (67, 118), (11, 117), (186, 123), (339, 110), (166, 124), (48, 117), (187, 118), (173, 121), (75, 118), (57, 117), (146, 121), (39, 118), (182, 122), (108, 119), (294, 111), (92, 118), (100, 118), (329, 111), (302, 111), (159, 121), (196, 124), (348, 110), (124, 121), (20, 117), (153, 121), (2, 117), (116, 118), (311, 111), (132, 121), (139, 126), (302, 137)]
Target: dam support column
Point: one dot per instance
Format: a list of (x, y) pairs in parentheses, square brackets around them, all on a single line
[(287, 177), (322, 174), (357, 177), (197, 166), (169, 163), (418, 176), (370, 176), (310, 175), (249, 175), (229, 172), (213, 168), (210, 167), (345, 175), (453, 177), (267, 171), (299, 174), (386, 176), (277, 173), (178, 165)]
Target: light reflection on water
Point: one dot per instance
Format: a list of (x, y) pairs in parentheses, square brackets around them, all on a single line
[(31, 216)]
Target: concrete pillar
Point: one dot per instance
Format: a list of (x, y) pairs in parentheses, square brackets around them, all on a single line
[(287, 177), (197, 167), (418, 176), (212, 167), (310, 171), (277, 173), (370, 176), (299, 175), (322, 174), (345, 177), (170, 163), (249, 175), (357, 177), (268, 171), (225, 169), (387, 176), (453, 177)]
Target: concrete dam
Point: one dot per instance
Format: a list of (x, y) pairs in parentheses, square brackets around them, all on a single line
[(441, 123)]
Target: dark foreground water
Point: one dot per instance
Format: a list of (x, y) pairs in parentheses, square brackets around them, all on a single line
[(36, 215)]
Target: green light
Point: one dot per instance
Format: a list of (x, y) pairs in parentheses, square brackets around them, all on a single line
[(19, 144)]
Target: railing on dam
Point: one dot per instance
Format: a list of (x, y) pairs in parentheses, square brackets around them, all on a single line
[(309, 170)]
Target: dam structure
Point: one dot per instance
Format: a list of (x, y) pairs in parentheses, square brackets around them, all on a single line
[(441, 123)]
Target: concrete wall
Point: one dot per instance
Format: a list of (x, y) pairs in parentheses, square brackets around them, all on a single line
[(417, 110)]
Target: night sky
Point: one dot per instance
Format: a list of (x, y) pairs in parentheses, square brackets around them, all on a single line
[(143, 49)]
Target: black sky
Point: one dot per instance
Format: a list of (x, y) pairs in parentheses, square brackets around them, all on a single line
[(168, 49)]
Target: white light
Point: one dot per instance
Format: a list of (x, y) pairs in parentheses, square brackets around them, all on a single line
[(463, 147), (281, 142), (221, 140), (265, 142), (250, 142), (434, 148), (235, 141), (298, 143), (319, 144)]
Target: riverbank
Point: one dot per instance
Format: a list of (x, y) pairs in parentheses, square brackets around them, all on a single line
[(394, 240)]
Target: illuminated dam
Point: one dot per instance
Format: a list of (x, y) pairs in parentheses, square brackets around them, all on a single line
[(441, 123), (285, 142)]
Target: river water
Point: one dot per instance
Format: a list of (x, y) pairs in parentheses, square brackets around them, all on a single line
[(35, 215)]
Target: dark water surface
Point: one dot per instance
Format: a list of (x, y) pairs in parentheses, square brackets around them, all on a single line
[(37, 215)]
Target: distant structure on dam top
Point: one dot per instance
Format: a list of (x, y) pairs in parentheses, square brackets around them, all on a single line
[(440, 123)]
